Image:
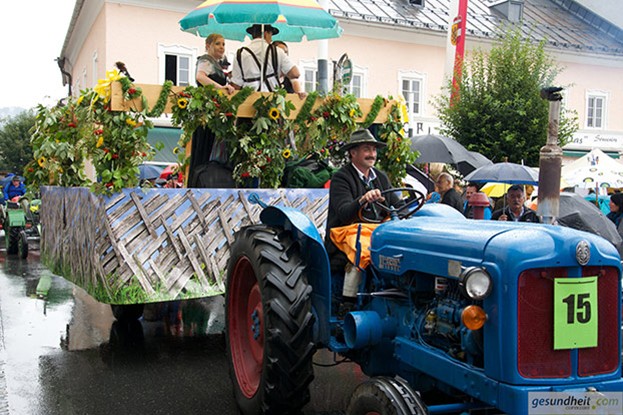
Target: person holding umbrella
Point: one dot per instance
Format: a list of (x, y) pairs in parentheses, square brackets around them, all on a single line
[(260, 64), (515, 209)]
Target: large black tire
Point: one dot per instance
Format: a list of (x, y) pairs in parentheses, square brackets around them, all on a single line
[(385, 396), (13, 241), (127, 312), (269, 323), (22, 245)]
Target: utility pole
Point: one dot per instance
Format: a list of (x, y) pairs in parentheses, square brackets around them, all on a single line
[(550, 160)]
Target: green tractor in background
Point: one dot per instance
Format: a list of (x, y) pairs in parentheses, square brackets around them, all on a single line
[(20, 221)]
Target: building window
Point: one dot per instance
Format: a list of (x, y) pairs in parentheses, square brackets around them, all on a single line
[(595, 110), (309, 74), (177, 69), (356, 85), (310, 80), (177, 64), (411, 89)]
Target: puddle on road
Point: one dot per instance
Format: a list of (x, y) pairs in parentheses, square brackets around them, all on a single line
[(65, 353)]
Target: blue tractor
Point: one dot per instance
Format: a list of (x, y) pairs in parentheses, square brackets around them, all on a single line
[(491, 314)]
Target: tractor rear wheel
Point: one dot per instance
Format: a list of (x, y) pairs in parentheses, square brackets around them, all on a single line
[(13, 241), (269, 322), (385, 396), (127, 312), (22, 245)]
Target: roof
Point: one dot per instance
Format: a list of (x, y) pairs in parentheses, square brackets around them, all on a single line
[(566, 24)]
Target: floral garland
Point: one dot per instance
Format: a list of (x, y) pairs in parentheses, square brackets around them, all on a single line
[(161, 103), (205, 106), (375, 108), (86, 128), (116, 141), (262, 151)]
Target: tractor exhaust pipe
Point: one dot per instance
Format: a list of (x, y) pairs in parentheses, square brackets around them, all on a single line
[(550, 160), (366, 328)]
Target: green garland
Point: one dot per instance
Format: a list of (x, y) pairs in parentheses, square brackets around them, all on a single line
[(241, 96), (158, 109), (378, 103), (305, 111)]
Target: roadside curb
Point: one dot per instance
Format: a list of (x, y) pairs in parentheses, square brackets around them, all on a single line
[(4, 395)]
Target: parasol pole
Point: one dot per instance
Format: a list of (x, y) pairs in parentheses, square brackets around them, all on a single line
[(323, 58)]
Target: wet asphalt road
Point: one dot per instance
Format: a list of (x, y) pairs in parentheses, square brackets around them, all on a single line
[(67, 355)]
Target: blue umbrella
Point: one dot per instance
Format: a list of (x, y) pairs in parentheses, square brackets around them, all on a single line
[(149, 172), (8, 179), (509, 173)]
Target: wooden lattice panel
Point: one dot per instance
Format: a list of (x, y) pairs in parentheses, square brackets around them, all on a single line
[(155, 245)]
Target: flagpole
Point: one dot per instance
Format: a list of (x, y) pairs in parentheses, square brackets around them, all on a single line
[(458, 35)]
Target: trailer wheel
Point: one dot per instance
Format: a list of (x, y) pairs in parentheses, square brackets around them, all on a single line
[(385, 396), (268, 322), (22, 245), (13, 241), (127, 312)]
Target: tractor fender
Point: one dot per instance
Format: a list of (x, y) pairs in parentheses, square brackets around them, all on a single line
[(314, 253)]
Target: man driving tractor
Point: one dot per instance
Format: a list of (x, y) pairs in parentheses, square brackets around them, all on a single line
[(15, 188)]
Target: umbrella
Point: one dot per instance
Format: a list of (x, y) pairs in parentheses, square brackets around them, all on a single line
[(440, 149), (9, 179), (492, 189), (295, 19), (594, 169), (509, 173), (578, 213), (148, 172)]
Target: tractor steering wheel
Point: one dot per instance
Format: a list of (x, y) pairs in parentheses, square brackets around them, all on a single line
[(415, 198)]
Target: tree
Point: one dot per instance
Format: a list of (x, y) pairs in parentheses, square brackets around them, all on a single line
[(15, 148), (499, 112)]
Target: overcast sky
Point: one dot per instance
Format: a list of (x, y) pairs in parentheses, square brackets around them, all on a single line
[(32, 34)]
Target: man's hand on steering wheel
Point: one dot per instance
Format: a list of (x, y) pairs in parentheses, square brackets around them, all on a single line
[(371, 196), (410, 205)]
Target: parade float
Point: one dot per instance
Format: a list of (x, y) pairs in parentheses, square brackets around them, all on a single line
[(129, 244)]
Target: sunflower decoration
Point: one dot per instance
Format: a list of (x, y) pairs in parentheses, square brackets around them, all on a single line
[(274, 114), (287, 153), (182, 103)]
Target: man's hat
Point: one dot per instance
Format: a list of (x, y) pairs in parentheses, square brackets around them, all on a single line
[(362, 136), (256, 29)]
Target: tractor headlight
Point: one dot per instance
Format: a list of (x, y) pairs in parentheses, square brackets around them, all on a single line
[(476, 283)]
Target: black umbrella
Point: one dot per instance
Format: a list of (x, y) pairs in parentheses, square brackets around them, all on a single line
[(440, 149), (578, 213)]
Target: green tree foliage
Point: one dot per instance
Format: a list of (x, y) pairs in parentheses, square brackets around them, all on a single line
[(499, 112), (15, 148)]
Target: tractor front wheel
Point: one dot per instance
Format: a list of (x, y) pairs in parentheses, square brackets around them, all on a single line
[(12, 240), (22, 245), (385, 396), (268, 322)]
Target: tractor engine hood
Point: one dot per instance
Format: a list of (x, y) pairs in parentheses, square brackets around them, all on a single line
[(439, 245)]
